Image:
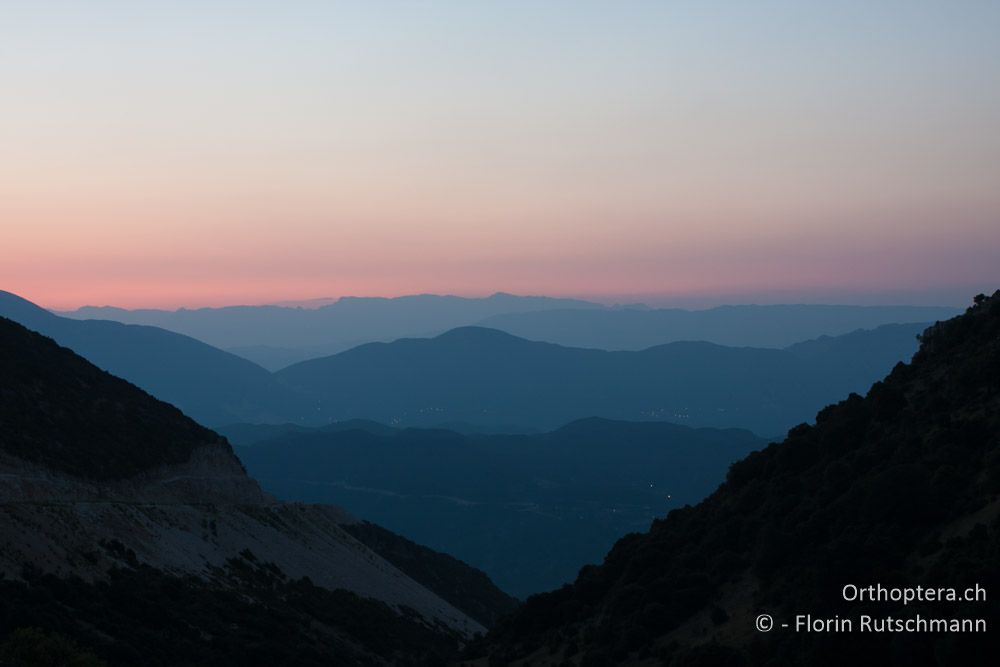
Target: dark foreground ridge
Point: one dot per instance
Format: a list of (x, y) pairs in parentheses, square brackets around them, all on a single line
[(143, 616), (59, 411), (899, 488)]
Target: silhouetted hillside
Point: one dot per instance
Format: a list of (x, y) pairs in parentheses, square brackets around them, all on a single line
[(488, 378), (209, 385), (252, 614), (755, 326), (59, 411), (529, 510), (899, 488)]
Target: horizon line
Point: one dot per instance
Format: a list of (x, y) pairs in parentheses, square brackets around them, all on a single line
[(945, 296)]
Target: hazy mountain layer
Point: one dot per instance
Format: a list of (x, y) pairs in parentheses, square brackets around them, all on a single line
[(900, 489), (496, 381), (528, 510), (274, 335), (755, 326)]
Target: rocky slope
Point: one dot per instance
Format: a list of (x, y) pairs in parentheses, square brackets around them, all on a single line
[(100, 483)]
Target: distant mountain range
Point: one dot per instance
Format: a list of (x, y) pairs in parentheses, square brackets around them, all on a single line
[(275, 336), (133, 531), (500, 382), (476, 379), (896, 491), (738, 326), (492, 500)]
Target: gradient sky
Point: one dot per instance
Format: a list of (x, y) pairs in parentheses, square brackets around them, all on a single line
[(196, 153)]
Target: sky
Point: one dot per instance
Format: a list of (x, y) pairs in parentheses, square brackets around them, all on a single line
[(166, 154)]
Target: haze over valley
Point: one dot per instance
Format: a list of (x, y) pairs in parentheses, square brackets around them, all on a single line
[(275, 336)]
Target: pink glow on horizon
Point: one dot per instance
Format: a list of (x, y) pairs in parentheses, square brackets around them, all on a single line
[(271, 155), (212, 253)]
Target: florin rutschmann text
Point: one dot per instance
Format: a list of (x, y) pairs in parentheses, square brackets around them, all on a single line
[(876, 593)]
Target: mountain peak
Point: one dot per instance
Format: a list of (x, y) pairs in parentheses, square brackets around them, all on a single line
[(476, 334)]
